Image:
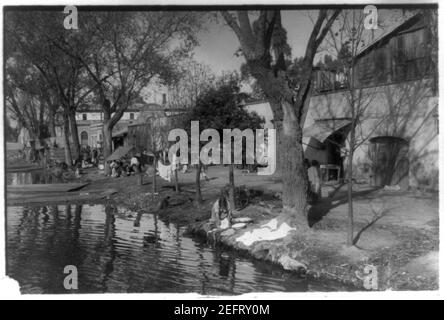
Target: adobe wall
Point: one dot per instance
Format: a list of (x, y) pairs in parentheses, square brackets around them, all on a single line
[(407, 110)]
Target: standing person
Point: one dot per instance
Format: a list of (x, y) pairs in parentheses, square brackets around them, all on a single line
[(94, 156), (314, 180)]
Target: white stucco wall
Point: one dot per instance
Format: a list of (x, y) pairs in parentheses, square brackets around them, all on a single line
[(406, 110)]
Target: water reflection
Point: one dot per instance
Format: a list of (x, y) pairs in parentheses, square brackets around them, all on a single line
[(113, 255), (31, 177)]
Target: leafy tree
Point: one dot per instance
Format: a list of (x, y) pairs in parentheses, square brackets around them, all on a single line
[(32, 45), (194, 79), (220, 108), (130, 51)]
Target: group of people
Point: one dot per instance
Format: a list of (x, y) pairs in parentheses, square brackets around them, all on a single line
[(123, 167), (90, 157)]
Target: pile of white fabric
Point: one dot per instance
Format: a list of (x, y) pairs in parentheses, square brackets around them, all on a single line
[(267, 232)]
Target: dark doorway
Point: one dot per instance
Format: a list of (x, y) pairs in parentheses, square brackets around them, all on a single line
[(390, 163), (84, 138), (333, 145)]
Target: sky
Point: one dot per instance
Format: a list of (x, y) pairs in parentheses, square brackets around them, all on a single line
[(219, 43)]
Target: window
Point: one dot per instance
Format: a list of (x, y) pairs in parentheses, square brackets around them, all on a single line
[(382, 65), (365, 69), (131, 116), (84, 116), (164, 98), (411, 57)]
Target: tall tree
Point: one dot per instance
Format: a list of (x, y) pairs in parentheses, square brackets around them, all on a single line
[(33, 38), (264, 46), (194, 79), (132, 50), (220, 108)]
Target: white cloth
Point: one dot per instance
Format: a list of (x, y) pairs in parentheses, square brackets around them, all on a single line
[(165, 172), (224, 224), (175, 162), (269, 231)]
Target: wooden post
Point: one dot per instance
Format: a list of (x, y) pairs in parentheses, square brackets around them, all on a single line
[(176, 181), (154, 175), (140, 178)]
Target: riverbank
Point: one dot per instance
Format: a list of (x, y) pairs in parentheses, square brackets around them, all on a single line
[(397, 233)]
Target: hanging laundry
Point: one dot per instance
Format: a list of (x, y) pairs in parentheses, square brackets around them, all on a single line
[(175, 162), (165, 172)]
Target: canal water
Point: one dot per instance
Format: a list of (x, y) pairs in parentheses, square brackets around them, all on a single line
[(30, 177), (114, 256)]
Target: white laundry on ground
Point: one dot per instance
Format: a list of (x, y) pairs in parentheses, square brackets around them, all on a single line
[(267, 232), (165, 172), (224, 224)]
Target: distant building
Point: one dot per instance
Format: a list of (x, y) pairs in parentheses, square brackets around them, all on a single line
[(90, 119)]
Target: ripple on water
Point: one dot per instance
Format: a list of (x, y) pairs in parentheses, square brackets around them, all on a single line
[(112, 255)]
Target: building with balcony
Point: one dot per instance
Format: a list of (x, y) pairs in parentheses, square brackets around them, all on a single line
[(395, 91)]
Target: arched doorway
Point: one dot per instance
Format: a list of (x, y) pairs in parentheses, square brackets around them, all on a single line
[(389, 161), (84, 138), (330, 135)]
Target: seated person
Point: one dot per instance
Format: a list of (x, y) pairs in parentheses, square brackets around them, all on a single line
[(135, 164), (115, 169), (86, 164), (126, 168), (221, 213)]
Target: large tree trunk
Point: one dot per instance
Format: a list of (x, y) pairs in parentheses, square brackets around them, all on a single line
[(279, 150), (278, 126), (294, 178), (289, 151), (74, 135), (107, 143)]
